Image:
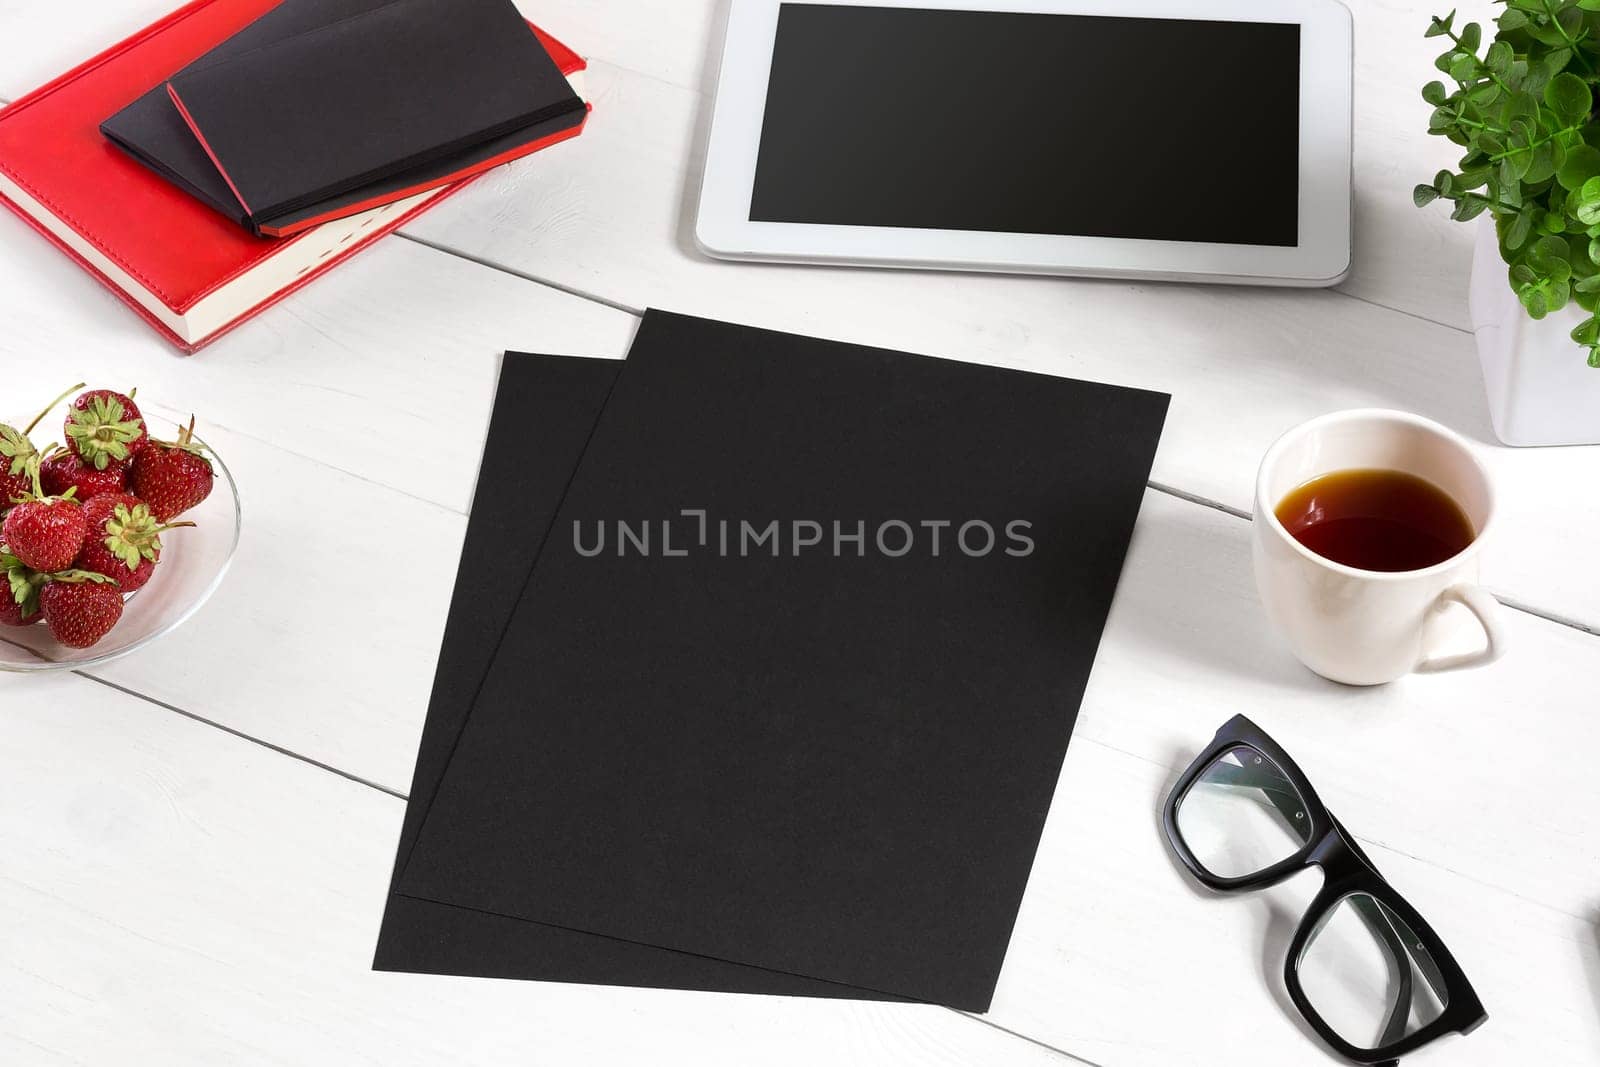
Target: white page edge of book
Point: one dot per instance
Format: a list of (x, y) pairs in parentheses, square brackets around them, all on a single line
[(223, 305)]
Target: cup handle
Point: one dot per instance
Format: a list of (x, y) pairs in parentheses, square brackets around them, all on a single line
[(1486, 610)]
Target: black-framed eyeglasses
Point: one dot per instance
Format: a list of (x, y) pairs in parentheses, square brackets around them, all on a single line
[(1367, 972)]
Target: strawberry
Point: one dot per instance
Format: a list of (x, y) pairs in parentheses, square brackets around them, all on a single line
[(15, 614), (64, 470), (15, 448), (19, 592), (172, 476), (80, 608), (105, 427), (124, 541), (45, 532)]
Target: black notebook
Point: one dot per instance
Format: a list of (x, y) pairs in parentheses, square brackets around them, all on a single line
[(817, 732), (154, 131), (545, 410)]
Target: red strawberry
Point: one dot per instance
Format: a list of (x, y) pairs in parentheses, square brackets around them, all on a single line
[(124, 541), (64, 471), (15, 614), (80, 608), (172, 476), (19, 592), (105, 427), (15, 448), (45, 532)]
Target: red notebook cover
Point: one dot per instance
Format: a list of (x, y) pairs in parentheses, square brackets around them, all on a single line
[(179, 249)]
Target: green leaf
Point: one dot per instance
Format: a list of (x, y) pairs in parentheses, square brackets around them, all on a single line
[(1434, 92), (1587, 207), (1499, 57), (1591, 284), (1471, 36), (1594, 357), (1589, 5), (1548, 257), (1535, 304), (1587, 332), (1523, 106), (1517, 233), (1468, 208), (1569, 97), (1440, 26), (1582, 163), (1513, 19), (1556, 61), (1423, 195), (1541, 164), (1483, 94), (15, 448), (1441, 119), (21, 587)]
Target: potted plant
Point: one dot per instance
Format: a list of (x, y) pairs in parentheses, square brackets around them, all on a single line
[(1522, 109)]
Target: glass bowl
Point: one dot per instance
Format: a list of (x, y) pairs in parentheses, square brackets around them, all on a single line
[(192, 565)]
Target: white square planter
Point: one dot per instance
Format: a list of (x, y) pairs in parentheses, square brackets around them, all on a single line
[(1541, 388)]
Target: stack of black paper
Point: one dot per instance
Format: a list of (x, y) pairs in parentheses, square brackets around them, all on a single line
[(762, 663), (323, 108)]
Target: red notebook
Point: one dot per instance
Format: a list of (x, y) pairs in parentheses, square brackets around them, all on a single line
[(191, 273)]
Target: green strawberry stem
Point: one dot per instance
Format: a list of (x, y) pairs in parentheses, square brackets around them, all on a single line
[(23, 584), (37, 419), (76, 576), (131, 534), (35, 466), (185, 441)]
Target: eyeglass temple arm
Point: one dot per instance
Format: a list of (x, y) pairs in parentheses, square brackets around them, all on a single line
[(1283, 795)]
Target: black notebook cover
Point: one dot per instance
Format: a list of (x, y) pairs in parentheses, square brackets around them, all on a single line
[(333, 109), (153, 131), (545, 410), (831, 765)]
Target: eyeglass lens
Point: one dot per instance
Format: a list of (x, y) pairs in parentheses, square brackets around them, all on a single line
[(1242, 815), (1368, 975)]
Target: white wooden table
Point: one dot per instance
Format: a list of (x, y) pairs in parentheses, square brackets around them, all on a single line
[(195, 842)]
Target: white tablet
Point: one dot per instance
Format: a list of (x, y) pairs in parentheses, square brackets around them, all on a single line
[(1192, 140)]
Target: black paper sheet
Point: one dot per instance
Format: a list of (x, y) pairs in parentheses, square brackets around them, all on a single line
[(834, 760), (545, 410)]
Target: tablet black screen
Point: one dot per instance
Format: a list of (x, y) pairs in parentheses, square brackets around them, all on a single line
[(1163, 129)]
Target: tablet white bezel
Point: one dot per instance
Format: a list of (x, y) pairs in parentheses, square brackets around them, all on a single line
[(723, 227)]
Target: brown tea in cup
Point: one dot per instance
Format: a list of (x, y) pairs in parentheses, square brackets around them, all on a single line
[(1376, 520)]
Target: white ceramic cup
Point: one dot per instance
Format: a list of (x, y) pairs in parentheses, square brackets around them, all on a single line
[(1369, 627)]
